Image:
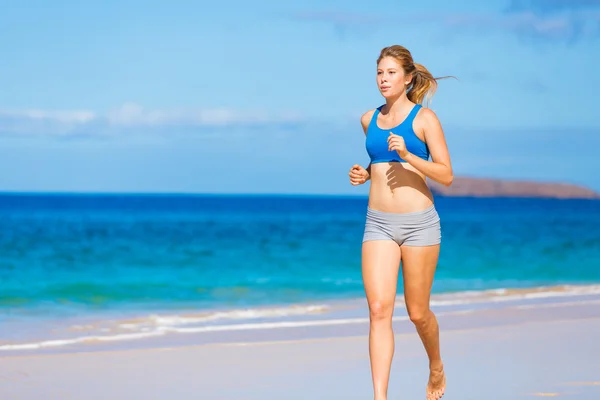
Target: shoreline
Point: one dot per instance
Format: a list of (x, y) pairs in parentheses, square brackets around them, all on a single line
[(311, 319), (533, 351)]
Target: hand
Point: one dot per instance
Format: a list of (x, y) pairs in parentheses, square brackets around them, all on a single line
[(396, 143), (358, 175)]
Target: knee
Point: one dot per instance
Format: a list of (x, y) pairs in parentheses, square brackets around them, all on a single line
[(381, 311), (420, 317)]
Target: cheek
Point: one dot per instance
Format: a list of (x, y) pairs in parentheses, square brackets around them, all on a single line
[(399, 80)]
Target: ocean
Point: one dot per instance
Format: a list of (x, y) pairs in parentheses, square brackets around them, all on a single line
[(111, 266)]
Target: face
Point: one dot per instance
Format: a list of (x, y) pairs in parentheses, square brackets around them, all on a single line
[(391, 80)]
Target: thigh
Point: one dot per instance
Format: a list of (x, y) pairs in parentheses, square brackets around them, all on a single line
[(418, 270), (380, 266)]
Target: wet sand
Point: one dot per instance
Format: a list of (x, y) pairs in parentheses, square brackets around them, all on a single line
[(551, 351)]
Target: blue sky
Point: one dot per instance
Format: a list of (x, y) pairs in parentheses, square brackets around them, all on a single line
[(265, 97)]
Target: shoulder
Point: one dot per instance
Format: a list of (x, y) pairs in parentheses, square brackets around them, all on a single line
[(427, 119), (365, 119), (427, 116)]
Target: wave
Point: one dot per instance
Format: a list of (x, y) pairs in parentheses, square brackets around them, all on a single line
[(512, 294), (251, 313), (294, 316)]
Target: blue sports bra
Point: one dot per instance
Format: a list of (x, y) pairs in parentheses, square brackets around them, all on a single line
[(377, 145)]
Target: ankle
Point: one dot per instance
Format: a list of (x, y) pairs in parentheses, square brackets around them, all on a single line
[(436, 365)]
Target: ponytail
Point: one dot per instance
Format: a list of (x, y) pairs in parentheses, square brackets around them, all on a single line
[(423, 85)]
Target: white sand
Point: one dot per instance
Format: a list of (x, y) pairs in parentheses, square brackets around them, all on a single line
[(543, 358)]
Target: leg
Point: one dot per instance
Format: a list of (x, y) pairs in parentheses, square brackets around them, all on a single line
[(418, 269), (380, 265)]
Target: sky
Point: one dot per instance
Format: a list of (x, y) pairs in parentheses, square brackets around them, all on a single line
[(266, 97)]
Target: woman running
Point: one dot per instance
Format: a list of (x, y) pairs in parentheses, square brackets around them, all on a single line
[(402, 223)]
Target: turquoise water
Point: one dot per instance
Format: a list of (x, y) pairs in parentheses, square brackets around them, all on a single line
[(86, 253)]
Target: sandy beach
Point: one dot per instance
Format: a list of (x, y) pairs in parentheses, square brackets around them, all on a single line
[(547, 349)]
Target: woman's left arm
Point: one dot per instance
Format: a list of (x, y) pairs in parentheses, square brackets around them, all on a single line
[(439, 168)]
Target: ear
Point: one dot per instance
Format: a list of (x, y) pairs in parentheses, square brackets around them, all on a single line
[(409, 79)]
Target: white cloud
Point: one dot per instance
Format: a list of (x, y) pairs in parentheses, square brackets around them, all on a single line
[(132, 115), (552, 21), (63, 117), (36, 121), (551, 6)]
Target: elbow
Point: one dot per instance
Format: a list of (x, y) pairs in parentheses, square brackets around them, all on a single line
[(448, 181)]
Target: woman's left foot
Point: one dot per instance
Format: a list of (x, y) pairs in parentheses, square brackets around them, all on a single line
[(437, 383)]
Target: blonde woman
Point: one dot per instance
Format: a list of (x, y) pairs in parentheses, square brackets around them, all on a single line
[(406, 145)]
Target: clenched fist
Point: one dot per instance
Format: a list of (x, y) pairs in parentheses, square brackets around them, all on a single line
[(358, 175), (396, 143)]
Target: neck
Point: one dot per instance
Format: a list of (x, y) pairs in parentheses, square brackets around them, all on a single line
[(398, 103)]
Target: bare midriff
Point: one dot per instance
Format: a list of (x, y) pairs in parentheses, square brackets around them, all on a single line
[(398, 188)]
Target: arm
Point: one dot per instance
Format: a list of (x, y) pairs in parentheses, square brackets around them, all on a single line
[(365, 119), (440, 168), (369, 171)]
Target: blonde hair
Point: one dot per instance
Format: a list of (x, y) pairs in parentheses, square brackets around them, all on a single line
[(423, 85)]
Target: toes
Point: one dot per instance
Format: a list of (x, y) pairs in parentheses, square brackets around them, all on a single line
[(436, 394)]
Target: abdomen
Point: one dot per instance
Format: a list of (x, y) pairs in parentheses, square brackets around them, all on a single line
[(398, 187)]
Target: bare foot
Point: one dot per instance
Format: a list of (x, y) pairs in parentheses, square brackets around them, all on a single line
[(437, 383)]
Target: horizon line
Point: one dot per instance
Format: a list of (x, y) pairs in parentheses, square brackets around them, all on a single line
[(266, 194)]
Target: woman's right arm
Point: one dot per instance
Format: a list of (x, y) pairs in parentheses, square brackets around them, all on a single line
[(365, 120)]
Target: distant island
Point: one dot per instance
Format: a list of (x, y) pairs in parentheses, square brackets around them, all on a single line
[(482, 187)]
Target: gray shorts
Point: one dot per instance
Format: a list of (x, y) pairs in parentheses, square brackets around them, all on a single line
[(420, 228)]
